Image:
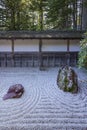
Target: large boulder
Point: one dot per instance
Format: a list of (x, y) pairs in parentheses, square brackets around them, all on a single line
[(67, 79), (15, 91)]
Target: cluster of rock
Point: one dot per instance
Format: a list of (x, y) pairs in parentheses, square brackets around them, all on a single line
[(15, 91), (67, 79)]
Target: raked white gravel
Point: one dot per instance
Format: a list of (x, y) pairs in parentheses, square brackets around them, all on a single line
[(43, 105)]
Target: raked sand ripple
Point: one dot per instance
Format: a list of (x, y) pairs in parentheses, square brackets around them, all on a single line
[(43, 105)]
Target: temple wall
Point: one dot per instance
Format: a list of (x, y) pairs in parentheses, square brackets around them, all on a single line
[(32, 45), (26, 45), (54, 45), (74, 45), (25, 52), (5, 46)]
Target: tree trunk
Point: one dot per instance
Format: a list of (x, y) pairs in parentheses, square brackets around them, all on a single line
[(84, 16), (40, 54), (13, 19), (18, 20), (41, 16), (75, 15)]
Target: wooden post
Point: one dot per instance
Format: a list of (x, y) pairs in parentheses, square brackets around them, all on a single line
[(12, 52), (40, 55), (75, 59), (68, 53), (68, 44)]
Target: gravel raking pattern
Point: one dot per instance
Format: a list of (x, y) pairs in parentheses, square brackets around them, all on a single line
[(43, 105)]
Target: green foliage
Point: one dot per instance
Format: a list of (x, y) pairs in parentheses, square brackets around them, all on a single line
[(23, 14), (15, 11), (39, 7), (39, 14), (83, 53), (59, 19)]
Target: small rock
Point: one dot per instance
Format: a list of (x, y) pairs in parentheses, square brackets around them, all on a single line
[(15, 91), (67, 79)]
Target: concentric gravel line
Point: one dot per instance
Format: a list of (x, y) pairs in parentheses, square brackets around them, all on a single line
[(10, 112), (43, 106)]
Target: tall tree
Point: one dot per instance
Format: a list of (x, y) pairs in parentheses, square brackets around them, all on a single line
[(2, 15), (67, 14), (59, 13), (15, 11), (84, 15), (24, 14), (39, 8), (42, 14), (16, 14)]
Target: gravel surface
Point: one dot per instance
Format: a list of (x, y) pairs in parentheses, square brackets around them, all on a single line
[(43, 106)]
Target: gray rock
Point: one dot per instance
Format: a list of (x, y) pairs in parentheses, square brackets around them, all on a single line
[(67, 79), (15, 91)]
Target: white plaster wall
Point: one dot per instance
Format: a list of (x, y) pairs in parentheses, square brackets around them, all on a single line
[(26, 45), (54, 45), (5, 46), (74, 45)]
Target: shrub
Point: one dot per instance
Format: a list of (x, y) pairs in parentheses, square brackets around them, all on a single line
[(83, 53)]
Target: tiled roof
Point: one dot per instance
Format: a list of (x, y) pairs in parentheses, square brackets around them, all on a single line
[(50, 34)]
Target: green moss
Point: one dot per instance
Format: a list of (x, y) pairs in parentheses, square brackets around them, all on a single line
[(65, 89), (63, 80)]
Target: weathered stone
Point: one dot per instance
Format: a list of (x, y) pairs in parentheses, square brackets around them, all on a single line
[(67, 79), (15, 91)]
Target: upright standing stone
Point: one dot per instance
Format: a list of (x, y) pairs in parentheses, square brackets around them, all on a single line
[(67, 79)]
